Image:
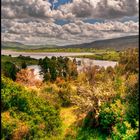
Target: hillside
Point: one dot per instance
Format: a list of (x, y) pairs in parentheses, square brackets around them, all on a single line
[(20, 46), (116, 43)]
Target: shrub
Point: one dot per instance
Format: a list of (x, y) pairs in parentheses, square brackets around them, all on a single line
[(132, 97), (27, 77), (110, 114), (66, 93), (38, 116), (124, 131), (129, 61)]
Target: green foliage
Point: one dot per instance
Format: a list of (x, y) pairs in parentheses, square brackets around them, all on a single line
[(39, 117), (91, 134), (129, 61), (132, 98), (50, 93), (58, 67), (23, 65), (102, 55), (18, 60), (124, 131), (9, 70), (106, 101), (65, 94), (110, 114), (118, 116), (52, 49)]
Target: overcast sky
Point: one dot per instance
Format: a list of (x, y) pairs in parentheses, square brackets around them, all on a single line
[(63, 22)]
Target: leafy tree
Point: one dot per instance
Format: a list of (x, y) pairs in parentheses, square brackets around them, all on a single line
[(23, 65), (129, 61), (9, 69), (58, 67), (47, 76)]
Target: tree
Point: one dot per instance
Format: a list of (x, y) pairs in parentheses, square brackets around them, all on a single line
[(71, 69), (10, 70), (23, 65), (58, 67), (47, 76), (129, 61), (53, 68)]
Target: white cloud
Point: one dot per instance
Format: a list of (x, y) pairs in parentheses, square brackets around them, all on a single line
[(33, 20), (106, 9), (26, 8), (76, 32)]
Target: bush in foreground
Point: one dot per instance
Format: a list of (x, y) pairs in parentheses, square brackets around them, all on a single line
[(26, 115)]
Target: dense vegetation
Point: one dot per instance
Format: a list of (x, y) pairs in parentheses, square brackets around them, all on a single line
[(25, 115), (97, 103), (11, 65), (58, 68), (59, 50), (19, 60)]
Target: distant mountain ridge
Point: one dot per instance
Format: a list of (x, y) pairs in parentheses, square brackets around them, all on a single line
[(115, 43)]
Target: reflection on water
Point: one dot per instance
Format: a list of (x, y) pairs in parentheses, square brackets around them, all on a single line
[(90, 62), (37, 71)]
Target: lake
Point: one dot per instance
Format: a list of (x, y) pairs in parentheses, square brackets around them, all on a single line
[(38, 55)]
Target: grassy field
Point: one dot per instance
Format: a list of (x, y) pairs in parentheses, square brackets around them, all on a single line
[(18, 60), (109, 55), (52, 49)]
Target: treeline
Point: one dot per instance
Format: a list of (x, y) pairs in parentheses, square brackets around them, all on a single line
[(58, 67)]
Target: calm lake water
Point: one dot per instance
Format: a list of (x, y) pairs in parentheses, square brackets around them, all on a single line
[(38, 55), (84, 61)]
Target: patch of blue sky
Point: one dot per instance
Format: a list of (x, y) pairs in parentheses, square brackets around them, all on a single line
[(61, 21), (58, 3), (92, 21), (133, 18)]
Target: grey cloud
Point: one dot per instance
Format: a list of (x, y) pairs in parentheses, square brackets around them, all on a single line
[(77, 27), (31, 8), (33, 21), (72, 28), (25, 8), (77, 32), (106, 9), (116, 9)]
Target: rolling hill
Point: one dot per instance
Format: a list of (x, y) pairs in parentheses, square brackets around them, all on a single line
[(116, 43)]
